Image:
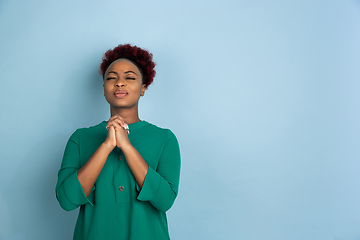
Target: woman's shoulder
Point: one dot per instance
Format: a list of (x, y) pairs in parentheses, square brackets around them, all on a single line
[(163, 131), (99, 126), (95, 129)]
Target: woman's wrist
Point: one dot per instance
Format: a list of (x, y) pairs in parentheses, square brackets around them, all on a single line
[(108, 146), (126, 146)]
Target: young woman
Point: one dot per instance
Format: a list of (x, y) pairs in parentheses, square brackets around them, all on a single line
[(123, 173)]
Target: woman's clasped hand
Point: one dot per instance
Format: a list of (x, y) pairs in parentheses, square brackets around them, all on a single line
[(117, 132)]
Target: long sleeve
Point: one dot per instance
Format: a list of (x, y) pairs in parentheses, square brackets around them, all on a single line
[(68, 190), (118, 207), (160, 187)]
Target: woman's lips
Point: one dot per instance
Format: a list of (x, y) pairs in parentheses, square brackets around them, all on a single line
[(120, 93)]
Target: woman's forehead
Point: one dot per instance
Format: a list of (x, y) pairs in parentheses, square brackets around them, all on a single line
[(123, 64)]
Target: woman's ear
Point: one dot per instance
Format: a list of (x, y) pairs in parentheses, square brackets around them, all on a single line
[(143, 88)]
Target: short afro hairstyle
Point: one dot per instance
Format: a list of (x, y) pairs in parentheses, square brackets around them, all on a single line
[(140, 57)]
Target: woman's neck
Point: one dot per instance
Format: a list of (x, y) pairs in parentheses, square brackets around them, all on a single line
[(130, 115)]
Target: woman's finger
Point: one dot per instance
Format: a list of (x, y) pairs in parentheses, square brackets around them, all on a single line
[(123, 124), (117, 120), (118, 124), (120, 121), (117, 117), (114, 120), (111, 135), (111, 131)]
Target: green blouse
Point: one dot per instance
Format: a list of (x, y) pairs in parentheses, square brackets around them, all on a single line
[(117, 208)]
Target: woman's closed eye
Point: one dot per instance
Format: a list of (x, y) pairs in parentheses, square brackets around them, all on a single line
[(130, 78)]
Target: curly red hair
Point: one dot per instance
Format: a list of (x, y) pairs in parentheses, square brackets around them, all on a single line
[(140, 57)]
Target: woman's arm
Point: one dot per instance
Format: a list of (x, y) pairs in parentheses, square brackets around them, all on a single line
[(88, 174), (75, 182), (136, 163), (157, 186), (161, 185)]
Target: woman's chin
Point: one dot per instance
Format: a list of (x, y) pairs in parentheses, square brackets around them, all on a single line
[(122, 105)]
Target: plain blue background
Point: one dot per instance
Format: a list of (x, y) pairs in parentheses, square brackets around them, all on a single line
[(262, 95)]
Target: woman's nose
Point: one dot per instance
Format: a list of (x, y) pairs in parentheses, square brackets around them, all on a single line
[(120, 83)]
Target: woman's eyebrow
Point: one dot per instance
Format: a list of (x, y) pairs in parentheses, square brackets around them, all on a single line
[(111, 72), (130, 72)]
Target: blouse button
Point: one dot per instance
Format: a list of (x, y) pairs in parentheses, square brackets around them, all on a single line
[(121, 188), (119, 158)]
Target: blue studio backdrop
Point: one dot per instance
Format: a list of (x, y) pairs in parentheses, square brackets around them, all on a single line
[(263, 97)]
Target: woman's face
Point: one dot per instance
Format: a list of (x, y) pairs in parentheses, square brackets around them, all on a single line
[(123, 84)]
